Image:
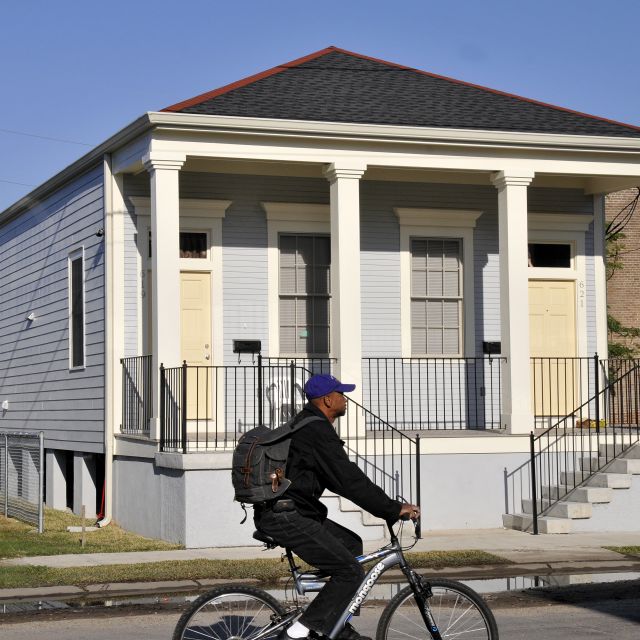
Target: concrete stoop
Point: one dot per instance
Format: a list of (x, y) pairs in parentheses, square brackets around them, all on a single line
[(594, 489)]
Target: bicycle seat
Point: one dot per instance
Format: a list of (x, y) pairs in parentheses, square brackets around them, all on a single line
[(268, 540)]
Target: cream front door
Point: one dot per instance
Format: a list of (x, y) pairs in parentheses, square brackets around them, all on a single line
[(195, 342), (552, 326)]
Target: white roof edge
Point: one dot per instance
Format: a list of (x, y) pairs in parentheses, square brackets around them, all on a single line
[(401, 132), (160, 119)]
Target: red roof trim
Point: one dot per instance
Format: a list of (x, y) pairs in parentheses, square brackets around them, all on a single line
[(245, 81), (287, 65)]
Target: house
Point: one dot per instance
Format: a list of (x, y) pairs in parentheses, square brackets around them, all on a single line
[(438, 243)]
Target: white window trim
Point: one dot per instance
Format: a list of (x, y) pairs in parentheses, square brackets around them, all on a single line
[(74, 255), (287, 217), (195, 215), (564, 229), (437, 223)]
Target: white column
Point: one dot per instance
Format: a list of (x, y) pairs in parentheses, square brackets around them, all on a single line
[(165, 263), (84, 484), (346, 323), (56, 497), (600, 268), (517, 415)]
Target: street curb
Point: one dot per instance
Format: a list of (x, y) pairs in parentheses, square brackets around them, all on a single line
[(121, 589)]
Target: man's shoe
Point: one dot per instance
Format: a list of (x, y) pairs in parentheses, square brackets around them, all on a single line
[(349, 633)]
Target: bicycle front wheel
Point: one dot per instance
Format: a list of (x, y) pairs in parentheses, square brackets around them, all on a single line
[(230, 613), (458, 611)]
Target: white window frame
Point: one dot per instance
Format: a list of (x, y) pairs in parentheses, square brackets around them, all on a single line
[(289, 218), (195, 215), (456, 224), (72, 256)]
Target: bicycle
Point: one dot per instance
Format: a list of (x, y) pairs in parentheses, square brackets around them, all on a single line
[(434, 608)]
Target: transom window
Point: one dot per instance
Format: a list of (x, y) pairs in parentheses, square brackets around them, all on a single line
[(304, 294), (553, 255), (436, 296)]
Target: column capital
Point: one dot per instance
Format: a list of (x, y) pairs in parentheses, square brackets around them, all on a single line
[(345, 169), (512, 178), (171, 161)]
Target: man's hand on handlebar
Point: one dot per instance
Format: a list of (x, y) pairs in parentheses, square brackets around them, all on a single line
[(409, 512)]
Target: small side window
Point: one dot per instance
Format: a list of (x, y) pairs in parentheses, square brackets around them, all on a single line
[(76, 310)]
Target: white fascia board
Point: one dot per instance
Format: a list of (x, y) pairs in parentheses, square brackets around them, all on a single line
[(310, 128)]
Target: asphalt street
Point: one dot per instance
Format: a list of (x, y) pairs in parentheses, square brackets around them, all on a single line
[(618, 619)]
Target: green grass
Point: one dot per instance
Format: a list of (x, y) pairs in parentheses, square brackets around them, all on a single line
[(261, 570), (632, 550), (18, 539)]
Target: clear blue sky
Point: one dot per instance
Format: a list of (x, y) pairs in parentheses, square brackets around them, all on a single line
[(81, 70)]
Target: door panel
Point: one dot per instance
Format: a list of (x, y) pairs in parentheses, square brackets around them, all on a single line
[(195, 342), (552, 326)]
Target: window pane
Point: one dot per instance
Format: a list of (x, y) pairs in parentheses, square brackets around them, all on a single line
[(287, 251), (434, 313), (288, 339), (193, 245), (434, 283), (303, 312), (434, 254), (77, 313), (323, 251), (321, 311), (419, 283), (418, 314), (450, 316), (321, 280), (451, 341), (418, 341), (305, 251), (451, 284), (434, 342), (287, 280), (287, 312)]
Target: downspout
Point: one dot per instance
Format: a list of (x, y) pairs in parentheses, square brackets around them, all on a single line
[(109, 321)]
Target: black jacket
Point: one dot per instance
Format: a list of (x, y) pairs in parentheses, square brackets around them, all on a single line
[(317, 461)]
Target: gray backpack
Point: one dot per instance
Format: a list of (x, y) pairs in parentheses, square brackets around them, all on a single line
[(260, 462)]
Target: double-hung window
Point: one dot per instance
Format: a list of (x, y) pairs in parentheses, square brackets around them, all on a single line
[(436, 297), (304, 294), (76, 310)]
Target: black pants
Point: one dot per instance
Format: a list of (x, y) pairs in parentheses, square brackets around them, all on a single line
[(326, 546)]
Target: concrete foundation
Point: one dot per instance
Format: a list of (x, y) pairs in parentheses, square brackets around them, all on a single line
[(84, 484), (56, 491)]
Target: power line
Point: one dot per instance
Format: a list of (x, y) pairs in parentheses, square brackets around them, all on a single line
[(34, 135), (22, 184)]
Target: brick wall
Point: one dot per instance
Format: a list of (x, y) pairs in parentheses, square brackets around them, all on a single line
[(623, 288)]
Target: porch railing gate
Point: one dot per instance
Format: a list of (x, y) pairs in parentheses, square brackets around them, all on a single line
[(22, 476)]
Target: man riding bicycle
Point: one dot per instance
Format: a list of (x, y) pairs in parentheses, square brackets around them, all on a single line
[(298, 520)]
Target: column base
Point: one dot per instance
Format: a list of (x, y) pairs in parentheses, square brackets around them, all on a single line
[(520, 423)]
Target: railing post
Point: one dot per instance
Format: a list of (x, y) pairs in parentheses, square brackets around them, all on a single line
[(534, 489), (6, 475), (292, 387), (596, 378), (418, 492), (183, 402), (41, 484), (260, 421), (163, 426)]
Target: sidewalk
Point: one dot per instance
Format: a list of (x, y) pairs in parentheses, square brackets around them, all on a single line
[(530, 555)]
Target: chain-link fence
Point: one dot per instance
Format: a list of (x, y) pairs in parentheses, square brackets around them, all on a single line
[(22, 476)]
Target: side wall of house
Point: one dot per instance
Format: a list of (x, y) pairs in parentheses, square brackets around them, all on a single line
[(42, 391)]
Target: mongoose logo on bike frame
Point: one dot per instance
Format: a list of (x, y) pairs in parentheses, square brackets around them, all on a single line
[(366, 587)]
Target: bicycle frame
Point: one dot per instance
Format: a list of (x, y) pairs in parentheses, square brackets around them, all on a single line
[(390, 556)]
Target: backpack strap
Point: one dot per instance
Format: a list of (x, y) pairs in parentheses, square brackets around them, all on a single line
[(289, 428)]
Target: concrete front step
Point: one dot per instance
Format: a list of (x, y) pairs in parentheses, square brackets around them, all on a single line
[(611, 451), (594, 495), (619, 465), (602, 479), (562, 509), (524, 522)]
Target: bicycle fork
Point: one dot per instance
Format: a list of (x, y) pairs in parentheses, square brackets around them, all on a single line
[(422, 593)]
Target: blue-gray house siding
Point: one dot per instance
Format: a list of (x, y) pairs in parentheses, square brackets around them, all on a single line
[(42, 392), (245, 248)]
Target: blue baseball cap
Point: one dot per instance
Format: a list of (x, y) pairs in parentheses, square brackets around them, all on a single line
[(323, 384)]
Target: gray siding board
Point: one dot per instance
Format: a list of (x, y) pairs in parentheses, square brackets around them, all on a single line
[(131, 276), (43, 393)]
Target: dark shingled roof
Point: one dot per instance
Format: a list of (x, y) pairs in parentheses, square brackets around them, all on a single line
[(334, 85)]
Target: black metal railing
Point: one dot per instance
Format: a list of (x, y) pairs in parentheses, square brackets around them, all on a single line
[(582, 443), (136, 395), (435, 393), (389, 457), (210, 407)]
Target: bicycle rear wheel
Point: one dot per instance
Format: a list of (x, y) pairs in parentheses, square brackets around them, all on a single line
[(229, 613), (458, 611)]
